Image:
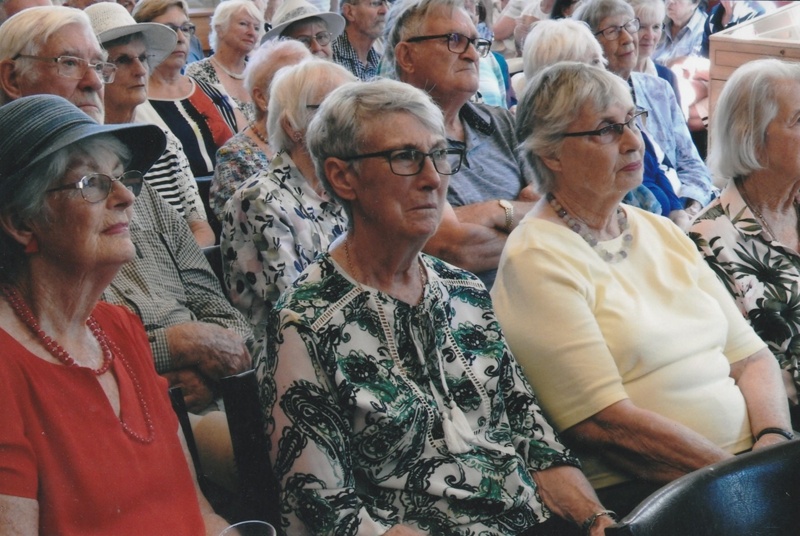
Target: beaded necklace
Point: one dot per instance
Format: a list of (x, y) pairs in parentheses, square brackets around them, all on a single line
[(258, 134), (108, 347), (235, 76), (582, 229)]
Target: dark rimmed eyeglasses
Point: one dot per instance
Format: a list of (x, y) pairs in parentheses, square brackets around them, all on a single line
[(612, 32), (458, 43), (610, 133), (407, 162), (322, 39), (96, 187), (75, 68), (187, 28)]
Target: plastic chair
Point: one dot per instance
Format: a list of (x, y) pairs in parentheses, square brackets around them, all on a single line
[(259, 490), (753, 494)]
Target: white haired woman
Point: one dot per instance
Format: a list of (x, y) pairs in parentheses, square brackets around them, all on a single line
[(651, 14), (89, 440), (278, 221), (633, 346), (249, 152), (393, 402), (749, 235), (236, 30)]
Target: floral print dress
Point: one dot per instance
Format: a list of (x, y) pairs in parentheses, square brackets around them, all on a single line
[(357, 387), (274, 226), (761, 273)]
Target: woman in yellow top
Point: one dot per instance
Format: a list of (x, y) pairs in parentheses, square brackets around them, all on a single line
[(635, 349)]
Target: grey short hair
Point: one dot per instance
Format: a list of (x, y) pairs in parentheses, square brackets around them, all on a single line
[(267, 60), (656, 8), (339, 128), (742, 114), (592, 12), (223, 14), (404, 20), (554, 40), (27, 32), (22, 195), (295, 87), (553, 100), (147, 10)]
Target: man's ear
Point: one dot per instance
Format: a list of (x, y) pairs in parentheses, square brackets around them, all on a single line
[(347, 12), (341, 176), (9, 79), (404, 57)]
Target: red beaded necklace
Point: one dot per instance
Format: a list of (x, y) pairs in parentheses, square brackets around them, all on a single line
[(108, 347)]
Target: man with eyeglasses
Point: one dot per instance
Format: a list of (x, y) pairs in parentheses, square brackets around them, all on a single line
[(69, 63), (301, 21), (615, 27), (434, 45), (354, 50)]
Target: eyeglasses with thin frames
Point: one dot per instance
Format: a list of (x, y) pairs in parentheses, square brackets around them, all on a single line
[(96, 186), (408, 162), (187, 28), (322, 39), (458, 43), (127, 61), (613, 132), (75, 68), (612, 33)]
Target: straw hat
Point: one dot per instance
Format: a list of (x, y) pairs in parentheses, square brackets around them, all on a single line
[(35, 127), (111, 21), (292, 11)]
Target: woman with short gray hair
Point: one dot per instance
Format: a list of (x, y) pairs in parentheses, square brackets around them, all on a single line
[(749, 235), (616, 320), (279, 220), (385, 372)]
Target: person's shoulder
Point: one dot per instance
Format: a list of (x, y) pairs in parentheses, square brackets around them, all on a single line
[(315, 296)]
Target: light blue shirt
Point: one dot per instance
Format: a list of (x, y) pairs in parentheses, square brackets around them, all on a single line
[(667, 127), (686, 43)]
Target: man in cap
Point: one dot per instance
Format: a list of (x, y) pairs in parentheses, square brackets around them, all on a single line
[(301, 21), (354, 49), (195, 334), (434, 45)]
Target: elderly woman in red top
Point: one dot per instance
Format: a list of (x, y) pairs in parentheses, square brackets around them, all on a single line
[(88, 439)]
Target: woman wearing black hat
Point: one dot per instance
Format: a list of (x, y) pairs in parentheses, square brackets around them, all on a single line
[(88, 437)]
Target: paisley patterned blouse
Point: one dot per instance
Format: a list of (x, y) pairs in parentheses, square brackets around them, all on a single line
[(274, 226), (355, 384), (761, 273)]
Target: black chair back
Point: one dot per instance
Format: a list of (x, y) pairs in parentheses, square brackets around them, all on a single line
[(214, 257), (259, 490), (753, 494)]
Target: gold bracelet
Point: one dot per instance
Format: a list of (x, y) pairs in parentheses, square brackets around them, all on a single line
[(589, 523)]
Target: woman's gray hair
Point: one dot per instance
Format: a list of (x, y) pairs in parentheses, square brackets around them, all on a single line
[(340, 127), (295, 88), (224, 12), (744, 110), (26, 32), (405, 19), (592, 12), (654, 8), (551, 41), (267, 60), (552, 101), (23, 194)]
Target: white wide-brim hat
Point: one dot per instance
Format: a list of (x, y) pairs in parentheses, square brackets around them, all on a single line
[(111, 21), (293, 11)]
